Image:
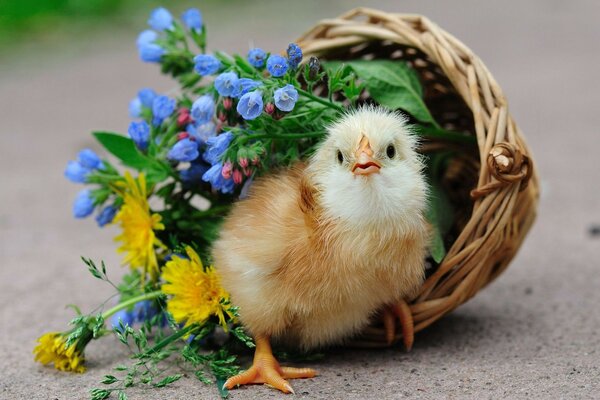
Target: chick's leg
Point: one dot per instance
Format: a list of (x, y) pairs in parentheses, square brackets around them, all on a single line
[(399, 311), (266, 369)]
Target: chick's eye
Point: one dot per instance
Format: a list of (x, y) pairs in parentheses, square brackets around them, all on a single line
[(390, 151), (340, 157)]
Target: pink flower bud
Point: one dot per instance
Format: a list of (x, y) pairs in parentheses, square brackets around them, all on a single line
[(243, 162), (227, 103), (226, 171), (270, 108), (255, 160), (247, 171), (183, 117), (237, 176), (222, 117), (183, 135)]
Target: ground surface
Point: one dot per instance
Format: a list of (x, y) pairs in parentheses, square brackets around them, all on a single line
[(534, 333)]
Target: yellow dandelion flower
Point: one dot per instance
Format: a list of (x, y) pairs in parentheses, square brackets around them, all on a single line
[(138, 224), (52, 348), (197, 291)]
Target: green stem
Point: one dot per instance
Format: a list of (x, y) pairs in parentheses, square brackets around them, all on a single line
[(285, 136), (130, 302), (445, 135), (320, 100), (168, 340)]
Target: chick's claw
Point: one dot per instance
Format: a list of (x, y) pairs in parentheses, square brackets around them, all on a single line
[(400, 311), (265, 369)]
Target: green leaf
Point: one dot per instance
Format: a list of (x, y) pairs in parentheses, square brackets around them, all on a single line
[(122, 395), (222, 390), (392, 84), (440, 215), (109, 379), (168, 380), (124, 149)]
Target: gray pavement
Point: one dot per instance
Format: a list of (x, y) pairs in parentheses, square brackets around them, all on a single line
[(534, 333)]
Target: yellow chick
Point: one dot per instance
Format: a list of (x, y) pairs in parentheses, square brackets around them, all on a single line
[(316, 250)]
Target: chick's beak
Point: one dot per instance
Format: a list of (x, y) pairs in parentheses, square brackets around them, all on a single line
[(365, 163)]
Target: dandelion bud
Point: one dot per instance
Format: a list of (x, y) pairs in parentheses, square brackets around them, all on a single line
[(270, 108), (237, 176), (226, 171)]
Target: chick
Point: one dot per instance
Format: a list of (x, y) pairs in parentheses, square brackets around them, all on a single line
[(315, 251)]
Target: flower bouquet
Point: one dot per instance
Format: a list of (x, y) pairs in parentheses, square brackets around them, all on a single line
[(194, 153)]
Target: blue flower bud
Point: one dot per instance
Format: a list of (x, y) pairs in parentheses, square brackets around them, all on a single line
[(162, 107), (89, 159), (185, 150), (192, 18), (225, 83), (215, 177), (250, 105), (216, 146), (151, 52), (286, 97), (135, 108), (77, 173), (277, 65), (146, 37), (139, 132), (205, 64), (106, 216), (146, 97), (84, 204), (160, 19), (203, 109), (243, 86), (256, 57), (294, 53)]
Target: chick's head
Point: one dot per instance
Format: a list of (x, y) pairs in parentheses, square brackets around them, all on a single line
[(367, 170)]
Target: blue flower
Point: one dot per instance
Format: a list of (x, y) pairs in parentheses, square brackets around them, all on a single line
[(286, 97), (106, 216), (89, 159), (194, 173), (146, 97), (162, 107), (250, 105), (243, 86), (192, 18), (256, 57), (84, 204), (214, 176), (135, 108), (151, 52), (160, 19), (225, 83), (139, 132), (185, 150), (202, 132), (77, 173), (277, 65), (294, 53), (146, 37), (205, 64), (203, 109), (126, 317), (216, 146)]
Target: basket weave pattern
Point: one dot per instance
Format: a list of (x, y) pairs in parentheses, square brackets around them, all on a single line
[(498, 184)]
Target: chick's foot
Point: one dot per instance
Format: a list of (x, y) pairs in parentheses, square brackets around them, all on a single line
[(265, 369), (399, 311)]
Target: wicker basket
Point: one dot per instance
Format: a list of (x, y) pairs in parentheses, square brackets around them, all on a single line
[(493, 182)]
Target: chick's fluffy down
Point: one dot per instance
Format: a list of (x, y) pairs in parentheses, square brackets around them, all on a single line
[(305, 278)]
